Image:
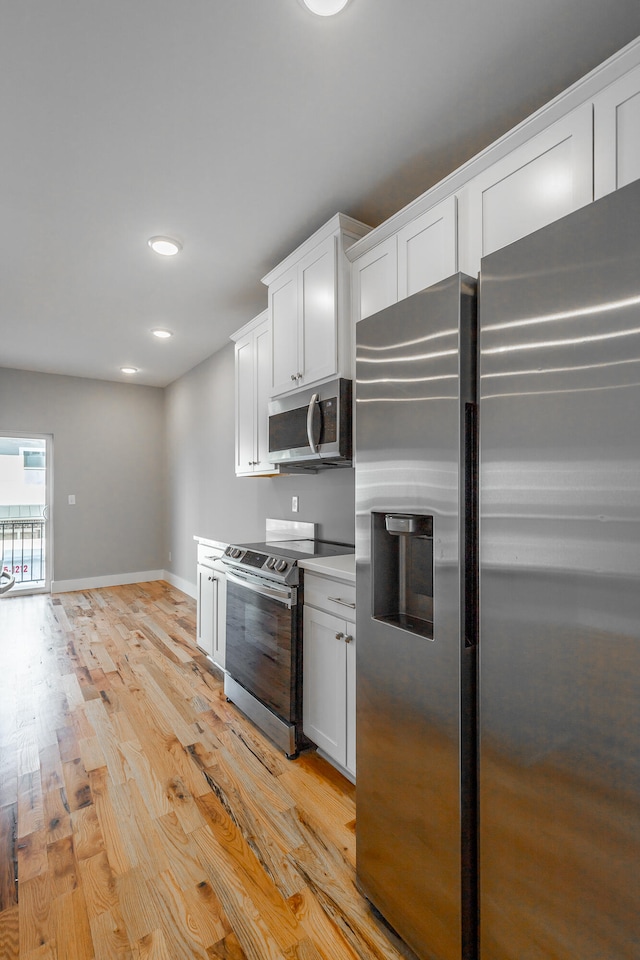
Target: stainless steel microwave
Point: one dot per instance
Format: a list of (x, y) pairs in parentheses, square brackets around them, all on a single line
[(312, 429)]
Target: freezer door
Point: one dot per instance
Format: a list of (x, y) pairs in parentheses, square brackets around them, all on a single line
[(415, 371), (560, 589)]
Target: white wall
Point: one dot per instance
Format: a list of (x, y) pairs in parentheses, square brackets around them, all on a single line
[(151, 468), (206, 499), (108, 450)]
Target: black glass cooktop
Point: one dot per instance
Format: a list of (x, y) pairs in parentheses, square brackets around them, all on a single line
[(300, 549)]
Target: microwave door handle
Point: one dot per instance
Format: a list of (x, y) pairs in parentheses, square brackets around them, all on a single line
[(313, 407)]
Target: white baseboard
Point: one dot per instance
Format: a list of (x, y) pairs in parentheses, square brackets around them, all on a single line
[(185, 585), (112, 580), (118, 579)]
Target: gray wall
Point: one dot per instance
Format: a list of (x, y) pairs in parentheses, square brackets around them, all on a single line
[(108, 450), (206, 499)]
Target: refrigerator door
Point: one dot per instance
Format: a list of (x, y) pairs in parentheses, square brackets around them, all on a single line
[(414, 372), (560, 589)]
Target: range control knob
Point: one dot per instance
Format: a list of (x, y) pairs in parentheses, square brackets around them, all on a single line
[(236, 552), (281, 565), (270, 564)]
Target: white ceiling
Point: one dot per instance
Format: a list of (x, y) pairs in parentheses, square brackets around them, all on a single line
[(239, 126)]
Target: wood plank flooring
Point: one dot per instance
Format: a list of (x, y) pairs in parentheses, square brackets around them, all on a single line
[(141, 817)]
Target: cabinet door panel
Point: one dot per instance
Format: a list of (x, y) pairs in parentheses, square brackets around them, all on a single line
[(283, 303), (544, 179), (324, 682), (350, 762), (427, 249), (207, 609), (319, 313), (375, 279), (245, 403), (617, 134), (263, 388)]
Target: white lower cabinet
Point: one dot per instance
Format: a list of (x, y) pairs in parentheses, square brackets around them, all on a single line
[(211, 604), (329, 679)]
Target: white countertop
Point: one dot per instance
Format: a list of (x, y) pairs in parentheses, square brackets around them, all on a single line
[(211, 543), (343, 567)]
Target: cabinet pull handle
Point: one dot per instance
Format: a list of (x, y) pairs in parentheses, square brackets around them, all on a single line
[(345, 603), (348, 638), (294, 376), (339, 636)]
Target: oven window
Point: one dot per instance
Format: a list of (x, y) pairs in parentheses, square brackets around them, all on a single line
[(260, 648)]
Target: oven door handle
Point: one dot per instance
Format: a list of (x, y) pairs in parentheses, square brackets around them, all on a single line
[(287, 596)]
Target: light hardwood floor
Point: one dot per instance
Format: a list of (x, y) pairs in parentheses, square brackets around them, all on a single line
[(142, 817)]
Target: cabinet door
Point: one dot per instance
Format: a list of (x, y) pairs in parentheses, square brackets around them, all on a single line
[(207, 609), (374, 277), (245, 405), (544, 179), (324, 682), (262, 347), (617, 134), (350, 762), (283, 310), (319, 315), (428, 249)]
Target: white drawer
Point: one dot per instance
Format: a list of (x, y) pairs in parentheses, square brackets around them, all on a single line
[(334, 596)]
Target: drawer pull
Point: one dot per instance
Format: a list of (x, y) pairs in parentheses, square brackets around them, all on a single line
[(345, 603)]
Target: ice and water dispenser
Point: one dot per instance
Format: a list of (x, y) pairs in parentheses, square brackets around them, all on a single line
[(402, 571)]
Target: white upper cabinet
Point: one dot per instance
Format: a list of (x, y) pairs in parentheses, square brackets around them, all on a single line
[(544, 179), (428, 249), (310, 309), (375, 279), (617, 134), (283, 306), (421, 253), (252, 373)]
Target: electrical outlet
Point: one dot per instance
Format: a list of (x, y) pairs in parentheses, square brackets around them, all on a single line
[(294, 504), (72, 499)]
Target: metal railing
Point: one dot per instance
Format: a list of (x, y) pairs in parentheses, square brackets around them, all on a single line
[(22, 548)]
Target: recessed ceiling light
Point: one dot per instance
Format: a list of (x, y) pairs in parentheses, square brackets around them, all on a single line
[(162, 334), (128, 369), (165, 246), (325, 8)]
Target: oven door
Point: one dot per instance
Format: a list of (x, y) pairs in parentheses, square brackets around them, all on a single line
[(263, 642)]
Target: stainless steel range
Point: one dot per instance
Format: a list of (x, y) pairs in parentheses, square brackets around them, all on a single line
[(263, 663)]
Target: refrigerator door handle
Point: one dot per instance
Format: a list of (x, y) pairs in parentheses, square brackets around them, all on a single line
[(471, 533)]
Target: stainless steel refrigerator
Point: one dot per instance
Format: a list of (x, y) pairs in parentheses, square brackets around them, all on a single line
[(547, 854), (415, 393), (560, 589)]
